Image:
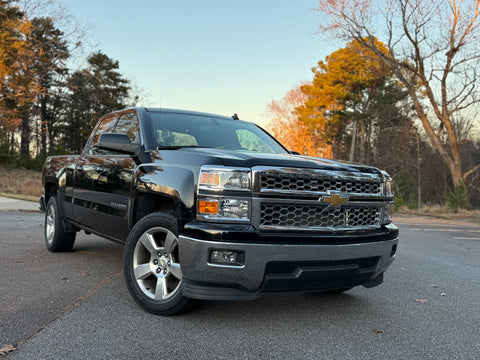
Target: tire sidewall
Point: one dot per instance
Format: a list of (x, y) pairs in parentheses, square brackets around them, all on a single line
[(163, 307), (52, 202), (62, 241)]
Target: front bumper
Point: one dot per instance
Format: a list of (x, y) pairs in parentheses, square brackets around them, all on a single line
[(271, 266)]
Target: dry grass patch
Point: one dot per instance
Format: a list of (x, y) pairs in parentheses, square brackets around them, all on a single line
[(442, 211), (21, 182)]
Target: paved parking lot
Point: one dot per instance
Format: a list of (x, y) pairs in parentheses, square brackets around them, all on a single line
[(76, 306)]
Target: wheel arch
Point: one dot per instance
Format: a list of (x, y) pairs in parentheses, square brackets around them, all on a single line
[(167, 189), (148, 203), (51, 189)]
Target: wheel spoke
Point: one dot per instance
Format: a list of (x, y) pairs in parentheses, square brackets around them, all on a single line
[(149, 243), (142, 271), (170, 242), (175, 270), (161, 289)]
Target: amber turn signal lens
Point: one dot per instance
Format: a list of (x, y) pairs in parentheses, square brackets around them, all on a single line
[(209, 179), (208, 207)]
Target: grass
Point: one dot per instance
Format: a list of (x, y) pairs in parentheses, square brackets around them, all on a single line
[(442, 211), (19, 196), (20, 183)]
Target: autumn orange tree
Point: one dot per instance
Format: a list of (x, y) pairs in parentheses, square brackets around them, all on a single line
[(286, 126), (432, 50), (342, 96), (14, 86)]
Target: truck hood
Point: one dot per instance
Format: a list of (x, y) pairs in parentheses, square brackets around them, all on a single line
[(249, 159)]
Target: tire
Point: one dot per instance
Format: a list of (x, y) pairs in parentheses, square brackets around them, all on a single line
[(152, 268), (56, 238)]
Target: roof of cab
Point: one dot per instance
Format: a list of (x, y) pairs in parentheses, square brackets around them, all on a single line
[(178, 111)]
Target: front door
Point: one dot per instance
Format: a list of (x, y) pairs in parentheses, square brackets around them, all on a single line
[(103, 180)]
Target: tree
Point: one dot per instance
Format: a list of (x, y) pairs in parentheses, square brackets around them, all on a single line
[(93, 92), (51, 51), (13, 30), (432, 50), (341, 98), (110, 88), (14, 83), (290, 131)]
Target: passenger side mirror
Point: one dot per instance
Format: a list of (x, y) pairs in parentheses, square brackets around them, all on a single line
[(119, 143)]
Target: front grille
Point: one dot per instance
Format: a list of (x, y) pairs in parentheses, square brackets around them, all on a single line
[(301, 182), (313, 217), (300, 199)]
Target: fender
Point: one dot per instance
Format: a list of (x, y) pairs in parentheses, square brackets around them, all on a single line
[(58, 179), (169, 181)]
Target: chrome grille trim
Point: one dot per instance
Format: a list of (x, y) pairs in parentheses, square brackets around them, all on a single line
[(311, 184), (293, 199), (315, 182)]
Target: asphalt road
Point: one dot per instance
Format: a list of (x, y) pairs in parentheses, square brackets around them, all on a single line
[(76, 306)]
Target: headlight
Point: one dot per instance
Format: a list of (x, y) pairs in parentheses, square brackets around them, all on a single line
[(388, 188), (388, 192), (216, 198), (387, 185), (218, 179), (387, 214)]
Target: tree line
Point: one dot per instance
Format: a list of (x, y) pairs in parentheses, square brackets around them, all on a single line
[(45, 107), (407, 104)]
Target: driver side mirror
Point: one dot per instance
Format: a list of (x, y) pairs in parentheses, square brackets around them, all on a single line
[(119, 143)]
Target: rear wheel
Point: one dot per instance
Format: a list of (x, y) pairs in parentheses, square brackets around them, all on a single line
[(152, 266), (56, 238)]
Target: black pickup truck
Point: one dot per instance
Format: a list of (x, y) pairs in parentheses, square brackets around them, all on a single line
[(212, 207)]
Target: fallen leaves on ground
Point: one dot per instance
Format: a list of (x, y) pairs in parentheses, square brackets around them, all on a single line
[(85, 274), (378, 331), (421, 301), (6, 349)]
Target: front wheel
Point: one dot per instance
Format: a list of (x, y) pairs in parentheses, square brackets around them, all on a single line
[(152, 266)]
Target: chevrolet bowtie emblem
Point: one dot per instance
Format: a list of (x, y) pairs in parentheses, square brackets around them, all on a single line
[(335, 200)]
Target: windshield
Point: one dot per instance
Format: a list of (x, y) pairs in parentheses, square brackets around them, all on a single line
[(177, 130)]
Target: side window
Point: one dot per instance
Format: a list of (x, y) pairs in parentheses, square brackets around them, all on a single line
[(128, 125), (107, 125)]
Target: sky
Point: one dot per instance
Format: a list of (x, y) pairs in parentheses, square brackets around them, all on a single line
[(214, 56)]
